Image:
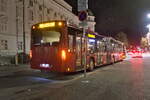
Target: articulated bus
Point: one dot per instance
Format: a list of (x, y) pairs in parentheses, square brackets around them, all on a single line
[(59, 47)]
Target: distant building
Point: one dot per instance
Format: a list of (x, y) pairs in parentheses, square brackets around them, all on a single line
[(91, 21), (11, 20), (144, 42), (148, 38)]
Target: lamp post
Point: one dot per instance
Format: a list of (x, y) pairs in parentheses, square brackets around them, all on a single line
[(24, 37), (16, 57), (148, 34), (82, 9), (148, 15)]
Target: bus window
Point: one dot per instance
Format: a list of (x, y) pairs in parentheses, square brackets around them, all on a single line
[(78, 44), (78, 51), (99, 46), (71, 42), (91, 45), (45, 36)]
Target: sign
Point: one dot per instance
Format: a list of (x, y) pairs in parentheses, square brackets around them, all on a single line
[(91, 35), (46, 25), (82, 15), (82, 5)]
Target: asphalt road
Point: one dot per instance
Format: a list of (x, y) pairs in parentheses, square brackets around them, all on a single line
[(30, 77), (127, 80)]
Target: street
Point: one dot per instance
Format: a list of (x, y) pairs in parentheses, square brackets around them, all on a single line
[(126, 80), (74, 50)]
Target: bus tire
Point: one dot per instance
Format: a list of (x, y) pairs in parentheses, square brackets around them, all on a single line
[(91, 65)]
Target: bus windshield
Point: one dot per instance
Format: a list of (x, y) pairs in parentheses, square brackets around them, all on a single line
[(45, 36)]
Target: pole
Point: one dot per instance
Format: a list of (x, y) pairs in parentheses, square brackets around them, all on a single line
[(83, 6), (43, 11), (16, 57), (85, 41), (24, 37)]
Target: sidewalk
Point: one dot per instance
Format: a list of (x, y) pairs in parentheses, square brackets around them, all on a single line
[(10, 69)]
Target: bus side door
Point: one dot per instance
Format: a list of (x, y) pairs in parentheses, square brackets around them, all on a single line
[(78, 51)]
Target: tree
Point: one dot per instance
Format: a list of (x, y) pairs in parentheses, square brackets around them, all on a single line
[(121, 36), (144, 42)]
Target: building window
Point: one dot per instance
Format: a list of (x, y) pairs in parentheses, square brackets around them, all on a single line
[(31, 15), (35, 1), (48, 11), (31, 3), (61, 17), (3, 24), (3, 45), (55, 14), (3, 5), (20, 45), (40, 7)]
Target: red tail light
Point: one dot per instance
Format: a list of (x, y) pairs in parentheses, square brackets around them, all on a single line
[(63, 55)]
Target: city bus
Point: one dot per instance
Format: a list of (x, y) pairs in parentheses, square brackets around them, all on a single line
[(59, 47)]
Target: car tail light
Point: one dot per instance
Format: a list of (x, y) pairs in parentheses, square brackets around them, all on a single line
[(63, 54)]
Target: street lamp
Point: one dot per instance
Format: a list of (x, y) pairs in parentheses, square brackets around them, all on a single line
[(24, 35), (148, 26), (148, 15)]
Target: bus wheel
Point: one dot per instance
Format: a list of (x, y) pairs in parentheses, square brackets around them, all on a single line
[(91, 65)]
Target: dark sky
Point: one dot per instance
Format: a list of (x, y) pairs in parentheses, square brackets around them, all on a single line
[(113, 16)]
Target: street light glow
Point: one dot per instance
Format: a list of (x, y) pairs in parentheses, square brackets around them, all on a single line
[(148, 15), (148, 26)]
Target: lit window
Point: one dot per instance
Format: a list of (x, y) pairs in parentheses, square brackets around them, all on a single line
[(3, 45), (20, 45)]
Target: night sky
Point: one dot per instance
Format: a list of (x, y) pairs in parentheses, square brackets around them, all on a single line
[(113, 16)]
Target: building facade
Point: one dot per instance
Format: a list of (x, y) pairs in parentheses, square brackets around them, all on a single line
[(35, 11), (11, 21), (91, 21), (148, 38)]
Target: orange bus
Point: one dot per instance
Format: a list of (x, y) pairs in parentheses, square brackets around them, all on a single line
[(59, 47)]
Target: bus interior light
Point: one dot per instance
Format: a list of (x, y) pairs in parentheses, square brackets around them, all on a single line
[(91, 40)]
